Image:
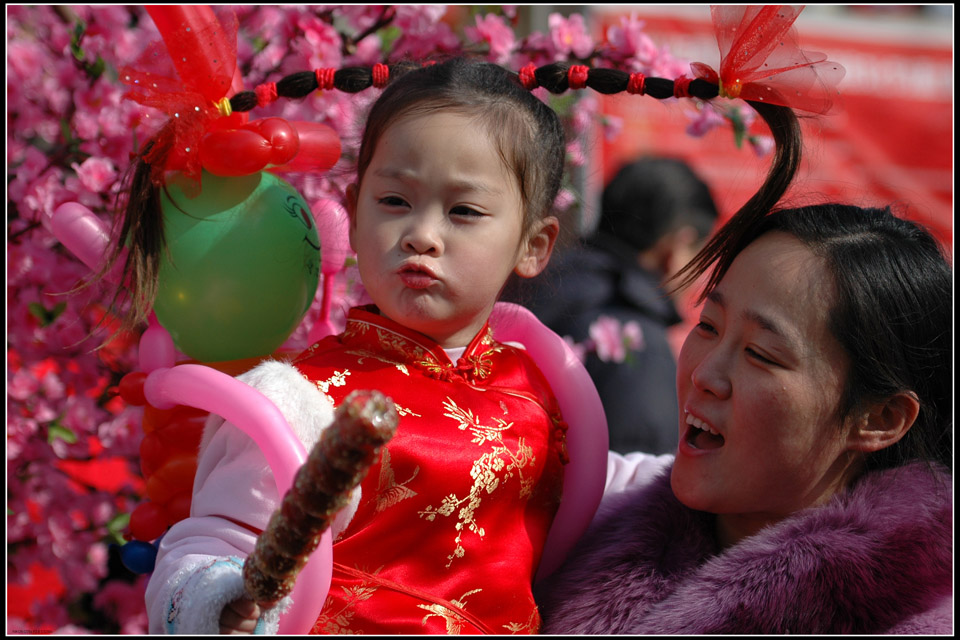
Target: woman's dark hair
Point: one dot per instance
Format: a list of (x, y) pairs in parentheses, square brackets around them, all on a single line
[(892, 314)]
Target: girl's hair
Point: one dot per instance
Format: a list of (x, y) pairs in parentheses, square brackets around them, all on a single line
[(892, 314), (530, 134)]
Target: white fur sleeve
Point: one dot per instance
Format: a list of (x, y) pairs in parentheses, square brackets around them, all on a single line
[(626, 471), (198, 567)]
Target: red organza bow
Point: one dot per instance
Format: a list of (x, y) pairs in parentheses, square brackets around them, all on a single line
[(761, 59), (185, 75)]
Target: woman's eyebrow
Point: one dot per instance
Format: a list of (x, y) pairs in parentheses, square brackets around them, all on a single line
[(763, 321)]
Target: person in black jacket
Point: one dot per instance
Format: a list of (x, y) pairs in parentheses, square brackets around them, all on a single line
[(655, 214)]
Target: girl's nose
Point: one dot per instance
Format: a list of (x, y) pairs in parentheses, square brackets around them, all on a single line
[(422, 236), (711, 374)]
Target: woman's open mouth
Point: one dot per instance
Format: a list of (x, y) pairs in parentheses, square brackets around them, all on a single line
[(700, 435)]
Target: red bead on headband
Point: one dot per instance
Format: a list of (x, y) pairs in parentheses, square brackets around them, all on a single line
[(381, 75), (266, 93), (324, 79), (635, 83), (681, 87), (528, 77), (577, 76)]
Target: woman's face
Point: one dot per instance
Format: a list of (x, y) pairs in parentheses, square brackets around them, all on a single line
[(759, 381)]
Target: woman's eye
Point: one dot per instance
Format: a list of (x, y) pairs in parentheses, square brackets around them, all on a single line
[(464, 211), (706, 326), (756, 355)]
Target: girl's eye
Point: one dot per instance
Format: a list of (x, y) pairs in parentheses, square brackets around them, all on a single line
[(464, 211), (393, 201)]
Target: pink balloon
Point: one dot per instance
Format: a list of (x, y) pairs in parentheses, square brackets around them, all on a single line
[(157, 350), (588, 441), (333, 225), (249, 410), (86, 236), (333, 228)]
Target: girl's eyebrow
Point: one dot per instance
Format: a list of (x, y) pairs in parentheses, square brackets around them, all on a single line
[(463, 184)]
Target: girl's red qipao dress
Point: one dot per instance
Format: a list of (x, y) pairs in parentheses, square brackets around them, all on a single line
[(455, 511)]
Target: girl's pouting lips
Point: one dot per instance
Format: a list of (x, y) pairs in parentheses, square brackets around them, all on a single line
[(416, 277)]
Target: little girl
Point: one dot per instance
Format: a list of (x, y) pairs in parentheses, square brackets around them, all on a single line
[(458, 169)]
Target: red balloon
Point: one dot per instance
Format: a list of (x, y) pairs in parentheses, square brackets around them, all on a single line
[(319, 148), (172, 478), (183, 432), (179, 507), (154, 418), (283, 139), (153, 454), (148, 521), (234, 152), (131, 388)]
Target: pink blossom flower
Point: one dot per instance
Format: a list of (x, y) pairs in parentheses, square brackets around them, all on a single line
[(703, 120), (569, 35), (96, 174), (762, 145), (605, 333), (629, 40), (493, 30)]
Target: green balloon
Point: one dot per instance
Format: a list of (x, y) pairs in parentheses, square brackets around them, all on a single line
[(242, 267)]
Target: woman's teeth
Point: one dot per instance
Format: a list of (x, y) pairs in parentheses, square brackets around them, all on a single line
[(700, 424)]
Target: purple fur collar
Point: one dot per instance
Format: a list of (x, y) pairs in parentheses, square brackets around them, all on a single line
[(876, 556)]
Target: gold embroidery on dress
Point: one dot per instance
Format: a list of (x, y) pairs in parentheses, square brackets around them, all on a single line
[(403, 411), (339, 621), (390, 341), (487, 472), (338, 379), (401, 367), (389, 492), (531, 626), (452, 619)]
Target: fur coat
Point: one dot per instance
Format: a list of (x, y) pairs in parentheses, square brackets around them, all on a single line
[(876, 559)]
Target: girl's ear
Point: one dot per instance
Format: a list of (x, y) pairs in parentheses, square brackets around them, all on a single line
[(885, 423), (535, 253), (351, 206)]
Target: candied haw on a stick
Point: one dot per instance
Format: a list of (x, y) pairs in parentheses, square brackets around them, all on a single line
[(362, 424)]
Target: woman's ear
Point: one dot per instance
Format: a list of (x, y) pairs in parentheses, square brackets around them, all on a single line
[(351, 207), (885, 423), (536, 250)]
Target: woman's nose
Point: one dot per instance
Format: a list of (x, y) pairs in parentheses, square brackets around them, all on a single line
[(712, 374)]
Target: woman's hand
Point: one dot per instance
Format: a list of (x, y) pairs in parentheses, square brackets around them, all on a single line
[(239, 616)]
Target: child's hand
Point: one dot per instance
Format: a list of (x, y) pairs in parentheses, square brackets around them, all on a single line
[(240, 616)]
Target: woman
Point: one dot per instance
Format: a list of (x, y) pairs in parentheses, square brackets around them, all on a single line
[(811, 487)]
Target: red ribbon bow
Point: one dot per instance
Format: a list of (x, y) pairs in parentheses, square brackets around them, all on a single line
[(761, 59), (185, 75)]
